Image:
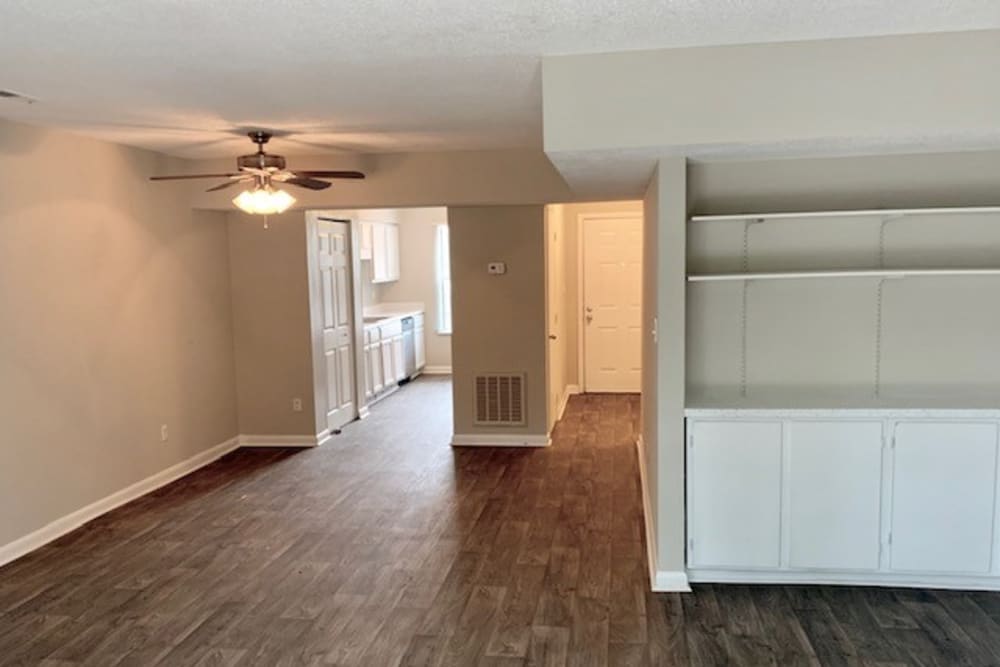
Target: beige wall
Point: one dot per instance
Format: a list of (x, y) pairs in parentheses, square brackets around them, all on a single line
[(114, 298), (499, 321), (833, 94), (417, 278), (663, 385), (272, 339), (469, 178)]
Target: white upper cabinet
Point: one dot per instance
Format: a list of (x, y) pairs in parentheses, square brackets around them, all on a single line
[(383, 251), (943, 484)]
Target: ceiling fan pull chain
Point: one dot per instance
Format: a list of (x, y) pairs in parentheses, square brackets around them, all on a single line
[(267, 219)]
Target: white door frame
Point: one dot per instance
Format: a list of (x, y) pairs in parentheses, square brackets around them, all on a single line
[(581, 220), (357, 317)]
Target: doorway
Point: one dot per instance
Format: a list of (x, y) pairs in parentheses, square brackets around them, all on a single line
[(593, 255)]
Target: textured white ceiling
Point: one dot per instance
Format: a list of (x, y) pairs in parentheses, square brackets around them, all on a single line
[(371, 76)]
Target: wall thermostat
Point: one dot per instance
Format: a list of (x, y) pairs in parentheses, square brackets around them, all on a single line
[(496, 268)]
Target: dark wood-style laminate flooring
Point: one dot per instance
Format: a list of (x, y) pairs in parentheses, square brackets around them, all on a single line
[(387, 547)]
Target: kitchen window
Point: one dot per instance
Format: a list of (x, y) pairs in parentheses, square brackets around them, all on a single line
[(443, 262)]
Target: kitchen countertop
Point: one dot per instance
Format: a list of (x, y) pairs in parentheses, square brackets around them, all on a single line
[(385, 312)]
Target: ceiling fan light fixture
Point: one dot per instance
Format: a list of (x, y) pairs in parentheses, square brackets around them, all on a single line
[(263, 201)]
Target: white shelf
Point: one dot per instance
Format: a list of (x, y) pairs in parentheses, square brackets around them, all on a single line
[(847, 273), (845, 214)]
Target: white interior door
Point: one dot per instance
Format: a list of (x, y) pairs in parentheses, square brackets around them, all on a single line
[(612, 303), (338, 347)]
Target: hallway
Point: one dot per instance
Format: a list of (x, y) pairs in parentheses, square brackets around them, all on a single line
[(386, 546)]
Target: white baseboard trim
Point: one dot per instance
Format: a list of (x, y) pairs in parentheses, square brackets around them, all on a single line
[(660, 581), (436, 370), (71, 522), (671, 582), (323, 437), (280, 440), (569, 390), (820, 577), (502, 440)]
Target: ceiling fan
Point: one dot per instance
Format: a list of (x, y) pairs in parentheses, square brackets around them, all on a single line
[(263, 171)]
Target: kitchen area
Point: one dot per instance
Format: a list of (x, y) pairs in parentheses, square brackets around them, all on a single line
[(386, 280)]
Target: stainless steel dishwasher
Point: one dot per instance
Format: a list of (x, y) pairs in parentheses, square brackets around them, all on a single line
[(409, 349)]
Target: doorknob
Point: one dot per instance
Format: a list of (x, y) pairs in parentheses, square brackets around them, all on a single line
[(552, 336)]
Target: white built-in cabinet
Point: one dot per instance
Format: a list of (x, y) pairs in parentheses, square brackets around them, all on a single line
[(420, 340), (380, 244), (385, 364), (881, 500)]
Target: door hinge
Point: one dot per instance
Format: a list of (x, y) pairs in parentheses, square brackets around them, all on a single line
[(691, 440), (691, 545), (888, 539)]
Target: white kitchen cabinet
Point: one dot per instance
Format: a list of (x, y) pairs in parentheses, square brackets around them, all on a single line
[(365, 246), (834, 494), (384, 251), (884, 497), (388, 366), (420, 341), (943, 486), (399, 363), (735, 496)]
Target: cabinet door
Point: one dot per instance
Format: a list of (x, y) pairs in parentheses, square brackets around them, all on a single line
[(365, 247), (392, 251), (397, 358), (369, 387), (834, 495), (375, 360), (380, 266), (734, 493), (420, 345), (388, 366), (943, 485)]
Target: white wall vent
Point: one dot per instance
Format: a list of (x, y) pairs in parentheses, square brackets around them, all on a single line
[(500, 399)]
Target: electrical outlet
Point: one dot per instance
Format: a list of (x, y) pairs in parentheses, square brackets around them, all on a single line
[(164, 433), (296, 405)]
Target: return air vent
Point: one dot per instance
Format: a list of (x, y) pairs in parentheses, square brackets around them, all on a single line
[(500, 400)]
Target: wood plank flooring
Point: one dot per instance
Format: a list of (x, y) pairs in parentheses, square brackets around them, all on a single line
[(386, 547)]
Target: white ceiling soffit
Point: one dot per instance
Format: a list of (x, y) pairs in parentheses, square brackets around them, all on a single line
[(180, 76)]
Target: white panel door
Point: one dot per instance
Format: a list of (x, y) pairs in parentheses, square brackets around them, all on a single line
[(612, 303), (943, 487), (834, 494), (338, 348), (734, 491)]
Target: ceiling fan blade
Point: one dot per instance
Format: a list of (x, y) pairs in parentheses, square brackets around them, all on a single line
[(187, 176), (310, 183), (223, 186), (330, 174)]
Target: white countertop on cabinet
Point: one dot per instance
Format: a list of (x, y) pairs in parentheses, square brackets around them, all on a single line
[(808, 404), (383, 312)]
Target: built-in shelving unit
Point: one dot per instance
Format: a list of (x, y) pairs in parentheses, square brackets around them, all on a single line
[(877, 481)]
